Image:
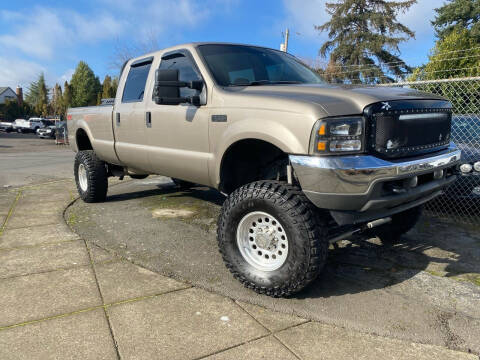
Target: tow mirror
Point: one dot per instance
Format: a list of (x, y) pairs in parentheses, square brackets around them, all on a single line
[(167, 88)]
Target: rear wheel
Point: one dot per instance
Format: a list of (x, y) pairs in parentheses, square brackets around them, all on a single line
[(90, 176), (401, 223), (271, 238)]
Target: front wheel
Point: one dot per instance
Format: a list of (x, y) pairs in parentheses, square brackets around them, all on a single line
[(271, 238), (90, 176)]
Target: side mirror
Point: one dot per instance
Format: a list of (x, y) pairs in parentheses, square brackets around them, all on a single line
[(167, 88)]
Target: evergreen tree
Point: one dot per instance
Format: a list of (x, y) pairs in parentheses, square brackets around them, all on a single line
[(11, 110), (114, 86), (85, 86), (108, 91), (66, 98), (458, 15), (57, 100), (364, 37), (37, 94)]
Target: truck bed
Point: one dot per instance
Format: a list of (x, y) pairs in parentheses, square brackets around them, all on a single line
[(99, 120)]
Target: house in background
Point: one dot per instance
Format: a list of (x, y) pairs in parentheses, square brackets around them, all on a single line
[(7, 93)]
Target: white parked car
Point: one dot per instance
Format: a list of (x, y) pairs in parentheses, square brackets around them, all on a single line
[(30, 125)]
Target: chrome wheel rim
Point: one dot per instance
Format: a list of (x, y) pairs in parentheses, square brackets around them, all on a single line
[(262, 241), (82, 177)]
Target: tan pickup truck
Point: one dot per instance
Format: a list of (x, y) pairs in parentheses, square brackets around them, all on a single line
[(301, 163)]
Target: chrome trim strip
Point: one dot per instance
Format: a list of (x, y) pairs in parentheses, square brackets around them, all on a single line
[(368, 162)]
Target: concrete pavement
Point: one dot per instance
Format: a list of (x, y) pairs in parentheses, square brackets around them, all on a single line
[(64, 297), (423, 289), (26, 159)]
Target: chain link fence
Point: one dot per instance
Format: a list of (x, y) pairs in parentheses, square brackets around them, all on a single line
[(461, 202)]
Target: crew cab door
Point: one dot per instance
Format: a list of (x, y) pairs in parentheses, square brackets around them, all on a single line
[(178, 134), (129, 116)]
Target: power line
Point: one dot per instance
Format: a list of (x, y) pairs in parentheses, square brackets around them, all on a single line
[(379, 66), (402, 62)]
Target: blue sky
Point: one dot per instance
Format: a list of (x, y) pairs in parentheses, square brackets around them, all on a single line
[(53, 36)]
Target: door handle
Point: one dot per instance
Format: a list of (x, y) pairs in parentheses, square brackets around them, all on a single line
[(148, 119), (118, 118)]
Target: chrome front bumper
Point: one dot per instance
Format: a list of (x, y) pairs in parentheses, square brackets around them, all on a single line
[(360, 182)]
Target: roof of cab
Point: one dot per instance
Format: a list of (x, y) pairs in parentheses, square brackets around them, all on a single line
[(192, 45)]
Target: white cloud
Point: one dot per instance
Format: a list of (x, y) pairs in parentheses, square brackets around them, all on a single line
[(304, 15), (418, 18), (15, 72), (67, 76), (52, 30)]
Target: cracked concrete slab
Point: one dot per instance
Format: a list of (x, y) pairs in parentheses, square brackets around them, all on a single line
[(100, 255), (37, 296), (45, 213), (186, 324), (123, 280), (320, 341), (272, 320), (264, 348), (42, 258), (7, 198), (81, 336), (365, 286), (36, 235)]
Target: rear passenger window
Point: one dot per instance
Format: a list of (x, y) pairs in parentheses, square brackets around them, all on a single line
[(136, 80)]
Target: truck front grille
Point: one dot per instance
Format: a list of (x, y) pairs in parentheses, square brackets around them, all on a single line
[(402, 129)]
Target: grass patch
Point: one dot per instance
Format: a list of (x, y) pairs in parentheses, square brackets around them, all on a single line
[(203, 205), (72, 219)]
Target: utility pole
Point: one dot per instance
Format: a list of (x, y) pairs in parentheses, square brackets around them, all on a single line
[(287, 34), (284, 46)]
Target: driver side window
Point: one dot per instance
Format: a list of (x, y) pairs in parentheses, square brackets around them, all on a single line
[(186, 71)]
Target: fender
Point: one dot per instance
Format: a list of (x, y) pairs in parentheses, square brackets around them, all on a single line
[(269, 131)]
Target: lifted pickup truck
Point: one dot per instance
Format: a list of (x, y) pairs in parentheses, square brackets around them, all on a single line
[(302, 163)]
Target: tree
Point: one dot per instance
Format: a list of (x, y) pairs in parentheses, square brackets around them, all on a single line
[(57, 100), (66, 98), (455, 56), (364, 38), (108, 90), (84, 85), (457, 15), (11, 110), (114, 86), (37, 95)]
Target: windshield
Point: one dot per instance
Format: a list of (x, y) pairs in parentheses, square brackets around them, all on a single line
[(239, 65)]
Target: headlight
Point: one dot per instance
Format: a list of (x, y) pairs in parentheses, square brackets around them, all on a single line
[(465, 168), (335, 135), (476, 166)]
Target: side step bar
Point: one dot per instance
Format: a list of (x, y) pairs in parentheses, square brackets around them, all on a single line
[(369, 225)]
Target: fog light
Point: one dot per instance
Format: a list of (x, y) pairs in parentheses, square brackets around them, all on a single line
[(438, 174), (476, 166), (465, 168), (413, 182)]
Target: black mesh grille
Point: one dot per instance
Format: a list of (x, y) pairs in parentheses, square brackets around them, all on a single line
[(409, 132)]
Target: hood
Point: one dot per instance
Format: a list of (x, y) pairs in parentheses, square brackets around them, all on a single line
[(334, 100)]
